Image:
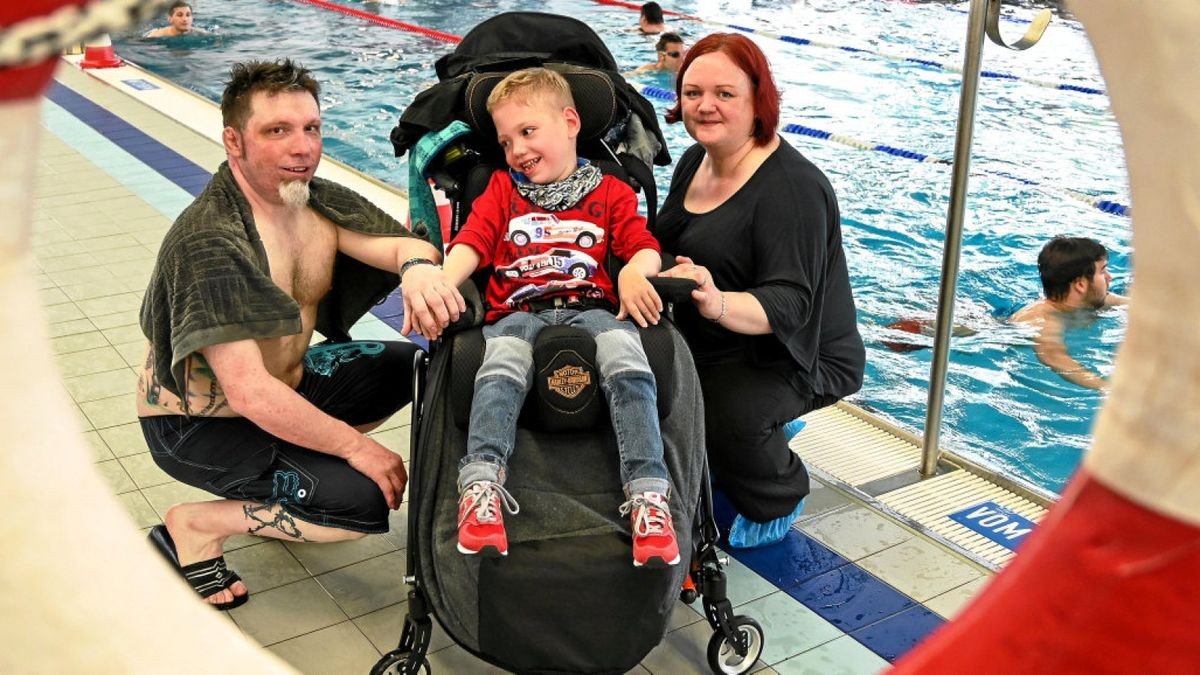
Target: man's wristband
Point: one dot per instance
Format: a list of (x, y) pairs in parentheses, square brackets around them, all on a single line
[(412, 262)]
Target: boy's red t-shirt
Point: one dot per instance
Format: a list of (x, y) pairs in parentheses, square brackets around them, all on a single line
[(539, 254)]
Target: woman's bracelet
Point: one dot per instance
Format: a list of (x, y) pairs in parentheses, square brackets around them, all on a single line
[(724, 310)]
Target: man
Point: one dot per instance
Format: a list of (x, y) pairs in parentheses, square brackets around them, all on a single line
[(179, 21), (650, 20), (231, 398), (1075, 279), (670, 54)]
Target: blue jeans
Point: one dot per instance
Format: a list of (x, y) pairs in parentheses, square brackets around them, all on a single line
[(507, 375)]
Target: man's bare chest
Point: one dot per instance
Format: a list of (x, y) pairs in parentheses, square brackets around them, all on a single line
[(301, 258)]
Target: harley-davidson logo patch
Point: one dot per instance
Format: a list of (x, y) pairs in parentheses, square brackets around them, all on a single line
[(568, 381)]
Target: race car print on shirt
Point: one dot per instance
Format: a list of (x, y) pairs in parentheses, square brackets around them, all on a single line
[(546, 227), (555, 261)]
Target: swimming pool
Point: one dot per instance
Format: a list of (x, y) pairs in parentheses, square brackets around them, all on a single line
[(1002, 406)]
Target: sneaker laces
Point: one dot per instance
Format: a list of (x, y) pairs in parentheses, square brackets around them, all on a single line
[(651, 517), (484, 495)]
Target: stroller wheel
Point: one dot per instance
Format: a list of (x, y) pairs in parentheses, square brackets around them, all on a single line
[(400, 662), (723, 656)]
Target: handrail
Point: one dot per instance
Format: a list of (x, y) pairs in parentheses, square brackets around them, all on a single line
[(984, 18)]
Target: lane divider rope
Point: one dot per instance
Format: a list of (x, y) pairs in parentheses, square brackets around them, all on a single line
[(928, 63), (1105, 205), (383, 20)]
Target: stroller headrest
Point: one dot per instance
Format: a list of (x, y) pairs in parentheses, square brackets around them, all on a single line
[(593, 91)]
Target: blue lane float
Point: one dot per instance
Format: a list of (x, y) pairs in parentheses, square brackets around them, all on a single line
[(1105, 205)]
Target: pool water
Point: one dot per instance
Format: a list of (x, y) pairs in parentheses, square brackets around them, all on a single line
[(1002, 407)]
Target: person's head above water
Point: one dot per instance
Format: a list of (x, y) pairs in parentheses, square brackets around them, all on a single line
[(670, 51), (179, 21), (650, 20), (536, 124), (1074, 264)]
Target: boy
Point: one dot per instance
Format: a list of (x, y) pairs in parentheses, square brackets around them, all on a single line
[(545, 226)]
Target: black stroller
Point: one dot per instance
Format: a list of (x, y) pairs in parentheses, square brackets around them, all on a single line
[(566, 598)]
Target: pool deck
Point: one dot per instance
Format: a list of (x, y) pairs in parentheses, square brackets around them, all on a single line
[(850, 589)]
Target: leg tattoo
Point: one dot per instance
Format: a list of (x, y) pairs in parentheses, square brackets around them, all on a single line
[(264, 516)]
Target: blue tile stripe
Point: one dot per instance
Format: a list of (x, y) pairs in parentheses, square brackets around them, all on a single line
[(173, 166), (838, 590), (125, 152)]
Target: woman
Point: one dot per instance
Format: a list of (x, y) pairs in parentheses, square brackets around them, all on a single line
[(772, 326)]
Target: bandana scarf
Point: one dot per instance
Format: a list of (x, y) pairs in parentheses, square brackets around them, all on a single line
[(560, 195)]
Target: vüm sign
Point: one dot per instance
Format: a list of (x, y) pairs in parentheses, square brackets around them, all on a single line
[(995, 522)]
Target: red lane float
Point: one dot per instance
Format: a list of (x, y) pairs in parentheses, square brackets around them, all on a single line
[(384, 21)]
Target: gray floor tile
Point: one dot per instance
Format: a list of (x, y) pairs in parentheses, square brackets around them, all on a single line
[(337, 650), (322, 558), (287, 612), (843, 656), (52, 296), (95, 289), (822, 499), (88, 361), (115, 477), (744, 584), (100, 385), (139, 509), (78, 342), (855, 532), (265, 565), (67, 328), (110, 412), (163, 497), (920, 569), (789, 627), (950, 603), (455, 659), (111, 304), (369, 585), (126, 318), (383, 628), (125, 439), (67, 311), (100, 451), (144, 472)]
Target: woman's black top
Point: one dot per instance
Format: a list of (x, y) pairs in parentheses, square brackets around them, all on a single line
[(778, 238)]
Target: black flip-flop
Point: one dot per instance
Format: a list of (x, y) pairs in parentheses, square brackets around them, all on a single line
[(207, 577)]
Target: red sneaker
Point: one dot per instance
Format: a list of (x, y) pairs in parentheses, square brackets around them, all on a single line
[(480, 520), (654, 542)]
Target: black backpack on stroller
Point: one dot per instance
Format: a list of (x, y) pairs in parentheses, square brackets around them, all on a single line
[(566, 598)]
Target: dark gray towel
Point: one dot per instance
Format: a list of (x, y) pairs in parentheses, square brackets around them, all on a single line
[(212, 282)]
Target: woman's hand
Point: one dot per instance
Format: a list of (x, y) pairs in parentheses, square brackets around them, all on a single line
[(706, 297), (639, 300)]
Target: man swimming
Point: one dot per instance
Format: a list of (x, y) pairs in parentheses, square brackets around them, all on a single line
[(1075, 279)]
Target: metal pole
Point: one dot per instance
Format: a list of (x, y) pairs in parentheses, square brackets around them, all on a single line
[(954, 222)]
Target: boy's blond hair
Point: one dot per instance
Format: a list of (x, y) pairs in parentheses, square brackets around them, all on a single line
[(532, 85)]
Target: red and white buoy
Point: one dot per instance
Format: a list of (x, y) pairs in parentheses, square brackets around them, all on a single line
[(98, 53)]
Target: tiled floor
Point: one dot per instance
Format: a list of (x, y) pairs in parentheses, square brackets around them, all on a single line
[(849, 589)]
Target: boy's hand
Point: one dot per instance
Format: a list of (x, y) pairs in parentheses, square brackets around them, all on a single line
[(431, 302), (639, 300)]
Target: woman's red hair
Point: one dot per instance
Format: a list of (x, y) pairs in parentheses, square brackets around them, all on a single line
[(749, 58)]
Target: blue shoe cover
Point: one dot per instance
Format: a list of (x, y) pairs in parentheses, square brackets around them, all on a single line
[(749, 534), (794, 427)]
